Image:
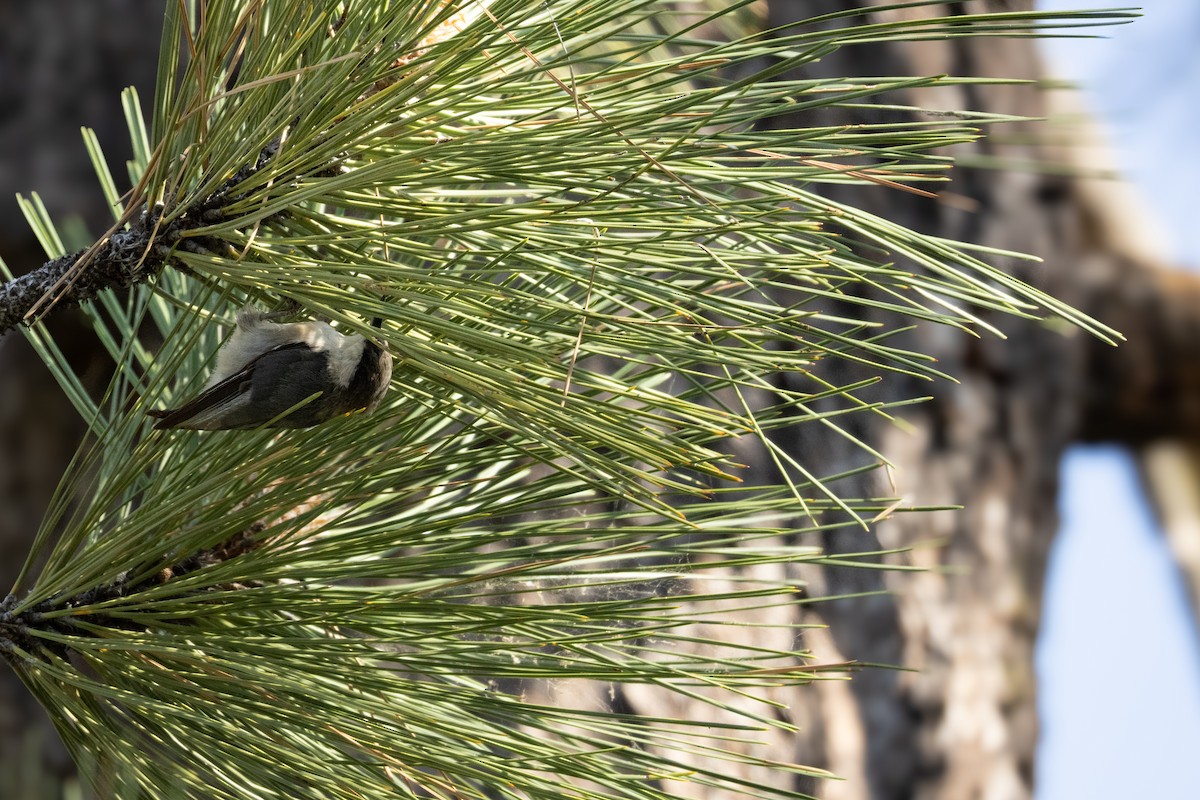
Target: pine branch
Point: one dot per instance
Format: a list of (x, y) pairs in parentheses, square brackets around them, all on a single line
[(595, 261), (129, 256), (49, 623)]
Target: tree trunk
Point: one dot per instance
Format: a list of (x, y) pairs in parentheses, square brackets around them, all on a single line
[(964, 724)]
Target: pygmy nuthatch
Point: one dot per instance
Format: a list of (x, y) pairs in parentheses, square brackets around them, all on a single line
[(267, 368)]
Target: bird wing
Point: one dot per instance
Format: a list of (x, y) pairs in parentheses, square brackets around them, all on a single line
[(249, 397)]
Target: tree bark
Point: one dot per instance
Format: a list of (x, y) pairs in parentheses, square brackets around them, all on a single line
[(964, 723)]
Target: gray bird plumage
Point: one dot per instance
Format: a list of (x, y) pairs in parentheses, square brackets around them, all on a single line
[(267, 368)]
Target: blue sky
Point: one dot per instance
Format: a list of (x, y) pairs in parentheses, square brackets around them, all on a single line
[(1119, 657)]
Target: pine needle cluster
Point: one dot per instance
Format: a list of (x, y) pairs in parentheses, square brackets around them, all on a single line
[(595, 233)]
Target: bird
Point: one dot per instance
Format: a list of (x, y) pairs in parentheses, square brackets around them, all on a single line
[(266, 369)]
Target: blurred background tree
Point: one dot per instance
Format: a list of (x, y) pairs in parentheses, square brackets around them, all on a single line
[(63, 65)]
